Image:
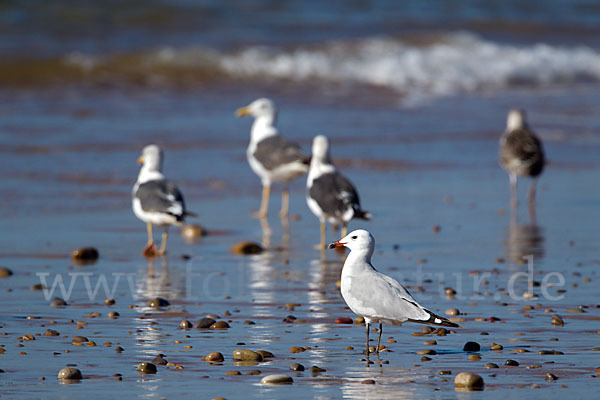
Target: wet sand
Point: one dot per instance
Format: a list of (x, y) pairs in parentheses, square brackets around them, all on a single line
[(440, 218)]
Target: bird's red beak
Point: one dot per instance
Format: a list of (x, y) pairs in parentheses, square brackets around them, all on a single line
[(335, 244)]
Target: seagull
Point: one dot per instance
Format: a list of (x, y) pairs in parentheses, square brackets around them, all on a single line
[(521, 153), (330, 196), (272, 157), (156, 200), (375, 296)]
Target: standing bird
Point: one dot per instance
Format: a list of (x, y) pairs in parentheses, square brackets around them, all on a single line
[(155, 199), (330, 196), (373, 295), (521, 153), (271, 157)]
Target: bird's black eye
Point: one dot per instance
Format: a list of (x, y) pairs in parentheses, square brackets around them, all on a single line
[(354, 237)]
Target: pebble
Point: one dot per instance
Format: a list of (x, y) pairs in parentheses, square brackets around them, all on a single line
[(468, 380), (5, 272), (193, 231), (474, 357), (511, 363), (450, 292), (491, 365), (246, 248), (471, 346), (233, 373), (497, 347), (344, 320), (253, 372), (453, 312), (69, 373), (297, 349), (248, 322), (220, 325), (146, 368), (550, 377), (159, 360), (185, 324), (113, 315), (368, 382), (557, 320), (37, 286), (119, 349), (58, 302), (297, 367), (215, 356), (109, 302), (359, 320), (247, 355), (80, 339), (158, 302), (28, 337), (427, 352), (430, 343), (445, 372), (276, 379), (51, 332), (315, 370), (204, 323), (265, 354), (84, 255)]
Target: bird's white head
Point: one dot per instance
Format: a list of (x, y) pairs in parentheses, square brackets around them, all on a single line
[(259, 108), (151, 158), (515, 119), (320, 149), (359, 240)]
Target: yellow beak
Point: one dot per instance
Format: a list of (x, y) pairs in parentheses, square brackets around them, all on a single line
[(242, 111), (141, 160)]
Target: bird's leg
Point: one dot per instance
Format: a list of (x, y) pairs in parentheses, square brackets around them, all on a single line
[(531, 196), (264, 204), (368, 327), (163, 244), (379, 337), (150, 250), (285, 202), (323, 234), (513, 190), (344, 229)]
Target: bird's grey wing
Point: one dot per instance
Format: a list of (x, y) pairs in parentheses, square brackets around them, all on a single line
[(334, 193), (276, 151), (524, 146), (161, 196)]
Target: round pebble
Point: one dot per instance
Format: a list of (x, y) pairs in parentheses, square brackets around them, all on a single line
[(193, 231), (220, 325), (214, 357), (205, 323), (84, 255), (491, 365), (146, 368), (5, 272), (511, 363), (276, 379), (265, 354), (471, 346), (453, 312), (80, 339), (185, 324), (246, 248), (297, 349), (550, 377), (113, 315), (468, 380), (109, 302), (51, 332), (158, 302), (69, 374), (247, 355), (297, 367)]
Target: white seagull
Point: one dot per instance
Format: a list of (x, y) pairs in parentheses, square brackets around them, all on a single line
[(373, 295), (521, 153), (156, 200), (330, 196), (271, 157)]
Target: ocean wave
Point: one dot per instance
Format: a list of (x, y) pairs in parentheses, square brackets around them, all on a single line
[(434, 65)]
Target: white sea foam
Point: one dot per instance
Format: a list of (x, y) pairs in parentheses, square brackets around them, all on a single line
[(457, 62)]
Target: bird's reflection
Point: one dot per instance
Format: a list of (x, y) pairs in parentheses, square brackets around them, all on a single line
[(524, 239), (267, 233)]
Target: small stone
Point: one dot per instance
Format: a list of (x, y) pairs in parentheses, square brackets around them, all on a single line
[(253, 372), (469, 380), (368, 382), (233, 373), (474, 357), (511, 363), (5, 272), (491, 365), (265, 354), (445, 372), (248, 322), (119, 349), (297, 367), (315, 370), (557, 320), (80, 339), (158, 302), (436, 229), (471, 346), (84, 256), (450, 292), (427, 330), (496, 347), (51, 332), (453, 312), (220, 325), (159, 360), (28, 337), (429, 343), (204, 323), (427, 352), (185, 324), (441, 331), (247, 355), (276, 379), (58, 302), (109, 302), (246, 248), (297, 349), (193, 231), (344, 320), (425, 359), (550, 377), (113, 315), (359, 320), (215, 356), (37, 286), (71, 374), (146, 368)]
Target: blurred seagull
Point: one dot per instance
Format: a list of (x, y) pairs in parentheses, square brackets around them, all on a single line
[(155, 199), (521, 153), (373, 295), (270, 156), (330, 196)]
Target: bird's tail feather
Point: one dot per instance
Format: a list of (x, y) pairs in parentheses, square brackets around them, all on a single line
[(435, 320), (190, 214), (361, 214)]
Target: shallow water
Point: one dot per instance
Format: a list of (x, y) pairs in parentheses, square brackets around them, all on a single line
[(68, 164)]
